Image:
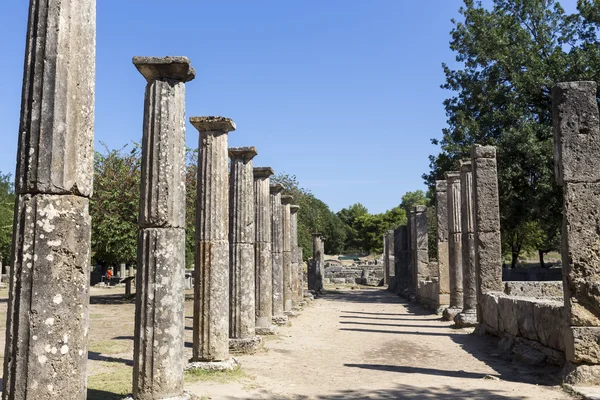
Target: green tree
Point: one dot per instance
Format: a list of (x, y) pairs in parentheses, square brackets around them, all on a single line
[(411, 199), (191, 185), (7, 204), (510, 56), (114, 207)]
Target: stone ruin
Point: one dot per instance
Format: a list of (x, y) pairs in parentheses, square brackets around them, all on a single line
[(539, 322)]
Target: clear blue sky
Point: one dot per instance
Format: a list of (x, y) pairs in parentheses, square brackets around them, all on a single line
[(343, 94)]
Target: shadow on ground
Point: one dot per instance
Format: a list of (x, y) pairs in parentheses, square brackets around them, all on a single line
[(484, 348), (94, 394)]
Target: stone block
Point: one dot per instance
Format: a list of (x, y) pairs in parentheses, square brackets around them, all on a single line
[(507, 315), (576, 130), (525, 318), (537, 290), (489, 261), (550, 323), (581, 248), (485, 187), (489, 308), (583, 344)]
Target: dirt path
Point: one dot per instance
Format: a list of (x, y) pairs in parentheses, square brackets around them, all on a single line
[(368, 344)]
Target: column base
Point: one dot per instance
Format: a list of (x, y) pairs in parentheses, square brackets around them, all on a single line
[(184, 396), (291, 313), (466, 319), (450, 313), (245, 345), (280, 320), (225, 365), (581, 374), (302, 304), (267, 331)]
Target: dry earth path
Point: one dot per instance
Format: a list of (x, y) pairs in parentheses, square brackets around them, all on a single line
[(369, 344)]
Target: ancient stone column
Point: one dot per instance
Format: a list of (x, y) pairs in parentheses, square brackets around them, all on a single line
[(314, 273), (576, 125), (402, 258), (294, 262), (321, 262), (277, 245), (158, 356), (47, 319), (211, 282), (486, 209), (386, 264), (390, 260), (454, 246), (286, 201), (263, 264), (242, 308), (468, 316), (301, 275), (420, 240), (412, 286), (130, 271), (441, 207)]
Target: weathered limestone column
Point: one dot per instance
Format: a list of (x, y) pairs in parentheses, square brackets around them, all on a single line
[(390, 260), (211, 283), (454, 246), (576, 126), (286, 201), (468, 316), (122, 270), (321, 262), (242, 308), (301, 275), (263, 252), (420, 240), (386, 261), (412, 288), (294, 261), (315, 279), (279, 317), (441, 207), (130, 271), (488, 249), (47, 320), (402, 258), (158, 357)]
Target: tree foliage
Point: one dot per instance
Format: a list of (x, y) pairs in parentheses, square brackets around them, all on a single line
[(7, 204), (510, 55), (114, 207)]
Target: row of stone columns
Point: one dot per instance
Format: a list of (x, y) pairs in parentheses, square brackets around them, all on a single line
[(474, 251)]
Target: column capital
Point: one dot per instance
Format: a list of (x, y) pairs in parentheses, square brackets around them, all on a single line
[(452, 175), (441, 186), (479, 151), (155, 68), (275, 188), (465, 166), (287, 199), (246, 153), (419, 209), (262, 172), (213, 124), (316, 234), (294, 208)]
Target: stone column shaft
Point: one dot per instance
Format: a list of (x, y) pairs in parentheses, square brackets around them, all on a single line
[(314, 282), (211, 284), (454, 241), (401, 257), (294, 262), (468, 316), (286, 201), (300, 273), (277, 243), (45, 352), (441, 206), (242, 309), (159, 317), (576, 125), (420, 240), (263, 249), (486, 209)]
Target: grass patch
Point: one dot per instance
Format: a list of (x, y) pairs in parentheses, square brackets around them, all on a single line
[(112, 385), (108, 346), (198, 375)]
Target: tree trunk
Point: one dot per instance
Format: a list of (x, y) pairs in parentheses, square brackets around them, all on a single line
[(541, 253), (515, 258)]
